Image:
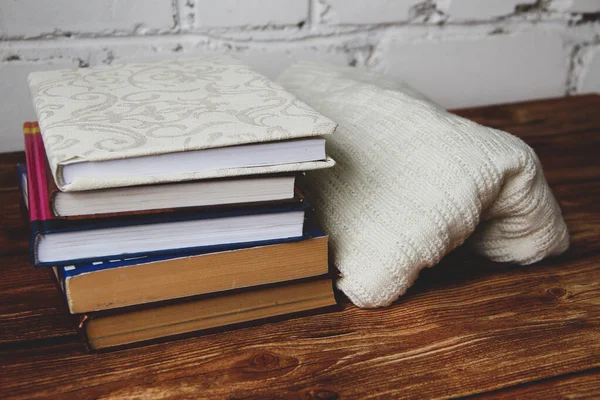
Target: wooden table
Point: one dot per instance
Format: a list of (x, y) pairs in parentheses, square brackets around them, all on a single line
[(468, 327)]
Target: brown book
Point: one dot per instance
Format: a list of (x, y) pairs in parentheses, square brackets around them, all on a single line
[(119, 328), (101, 286)]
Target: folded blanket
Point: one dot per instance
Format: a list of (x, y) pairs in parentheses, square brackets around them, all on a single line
[(414, 182)]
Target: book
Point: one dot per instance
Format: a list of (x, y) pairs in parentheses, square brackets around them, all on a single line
[(148, 198), (134, 326), (105, 285), (171, 121), (56, 242)]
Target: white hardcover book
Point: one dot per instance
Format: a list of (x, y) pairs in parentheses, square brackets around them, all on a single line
[(172, 121)]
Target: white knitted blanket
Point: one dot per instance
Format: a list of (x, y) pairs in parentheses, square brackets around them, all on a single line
[(413, 182)]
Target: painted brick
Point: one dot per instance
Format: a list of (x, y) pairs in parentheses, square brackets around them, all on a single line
[(230, 13), (575, 6), (590, 79), (477, 9), (186, 10), (492, 69), (272, 62), (37, 17), (371, 11), (17, 108)]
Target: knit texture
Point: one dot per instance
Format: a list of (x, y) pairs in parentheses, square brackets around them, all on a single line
[(413, 182)]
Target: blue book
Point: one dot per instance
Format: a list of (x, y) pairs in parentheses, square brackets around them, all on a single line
[(58, 242)]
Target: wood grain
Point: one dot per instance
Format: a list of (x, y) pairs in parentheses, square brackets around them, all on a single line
[(539, 118), (564, 134), (583, 385), (468, 326)]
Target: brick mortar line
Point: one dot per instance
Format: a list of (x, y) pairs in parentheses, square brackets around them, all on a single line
[(288, 34)]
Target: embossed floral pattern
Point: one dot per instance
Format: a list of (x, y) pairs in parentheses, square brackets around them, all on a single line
[(134, 110)]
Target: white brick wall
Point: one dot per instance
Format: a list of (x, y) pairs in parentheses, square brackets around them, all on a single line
[(459, 52), (39, 17), (371, 11), (493, 69), (227, 13), (469, 10), (590, 76), (576, 6)]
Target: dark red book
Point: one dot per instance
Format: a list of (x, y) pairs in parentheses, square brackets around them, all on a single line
[(37, 181)]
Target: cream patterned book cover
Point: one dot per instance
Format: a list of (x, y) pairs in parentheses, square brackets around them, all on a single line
[(143, 109)]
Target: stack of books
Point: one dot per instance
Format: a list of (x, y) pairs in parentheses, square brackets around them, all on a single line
[(164, 197)]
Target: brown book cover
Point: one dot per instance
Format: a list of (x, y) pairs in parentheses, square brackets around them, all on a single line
[(216, 312), (105, 285)]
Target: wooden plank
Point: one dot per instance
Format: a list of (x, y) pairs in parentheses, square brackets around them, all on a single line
[(569, 157), (541, 117), (564, 134), (581, 210), (8, 169), (31, 307), (14, 229), (583, 385)]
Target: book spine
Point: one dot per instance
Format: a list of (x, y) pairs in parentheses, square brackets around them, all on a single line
[(41, 115), (82, 320), (32, 203), (24, 203), (30, 162), (40, 173), (37, 188), (52, 189), (37, 191), (78, 321)]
